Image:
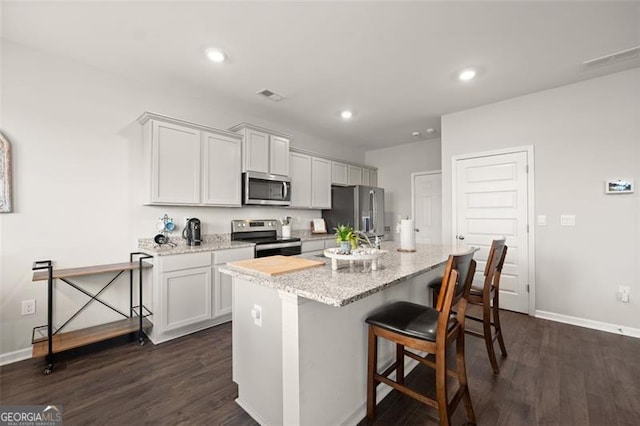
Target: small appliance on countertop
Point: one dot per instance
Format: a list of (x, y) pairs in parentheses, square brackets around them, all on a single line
[(192, 232), (264, 234)]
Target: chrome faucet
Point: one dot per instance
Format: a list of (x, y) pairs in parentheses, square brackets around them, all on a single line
[(360, 233)]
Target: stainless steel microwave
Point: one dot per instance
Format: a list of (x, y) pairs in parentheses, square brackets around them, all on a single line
[(266, 189)]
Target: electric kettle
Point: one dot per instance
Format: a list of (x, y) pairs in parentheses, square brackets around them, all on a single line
[(191, 232)]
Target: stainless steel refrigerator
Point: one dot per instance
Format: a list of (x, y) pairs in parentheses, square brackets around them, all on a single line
[(359, 206)]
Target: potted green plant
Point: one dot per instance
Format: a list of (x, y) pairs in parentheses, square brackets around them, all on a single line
[(346, 238)]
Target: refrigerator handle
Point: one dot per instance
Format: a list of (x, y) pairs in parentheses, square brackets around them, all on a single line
[(372, 203)]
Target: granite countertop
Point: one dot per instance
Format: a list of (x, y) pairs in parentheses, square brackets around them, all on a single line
[(212, 242), (351, 283), (209, 243)]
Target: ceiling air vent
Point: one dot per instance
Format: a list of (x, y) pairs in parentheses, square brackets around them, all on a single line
[(270, 95), (631, 53)]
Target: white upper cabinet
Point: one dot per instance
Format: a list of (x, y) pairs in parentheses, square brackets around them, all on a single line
[(256, 151), (278, 155), (339, 173), (310, 181), (373, 178), (355, 175), (321, 183), (189, 164), (172, 145), (221, 170), (264, 151), (365, 177), (300, 166)]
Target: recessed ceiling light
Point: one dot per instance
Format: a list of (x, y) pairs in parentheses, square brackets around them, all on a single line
[(216, 55), (431, 130), (346, 114), (467, 74), (415, 133)]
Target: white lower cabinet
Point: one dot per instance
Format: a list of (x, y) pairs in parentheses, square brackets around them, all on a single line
[(317, 246), (186, 297), (190, 293)]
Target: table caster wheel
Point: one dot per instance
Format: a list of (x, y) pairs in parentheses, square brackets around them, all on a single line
[(141, 342), (47, 371)]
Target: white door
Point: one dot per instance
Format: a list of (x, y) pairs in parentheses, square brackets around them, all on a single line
[(426, 199), (491, 200)]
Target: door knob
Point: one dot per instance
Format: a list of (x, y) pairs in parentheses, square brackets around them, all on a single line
[(461, 237), (417, 229)]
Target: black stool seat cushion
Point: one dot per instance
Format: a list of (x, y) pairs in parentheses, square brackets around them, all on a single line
[(435, 284), (409, 319)]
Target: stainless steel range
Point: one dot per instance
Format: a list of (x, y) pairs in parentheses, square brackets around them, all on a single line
[(264, 233)]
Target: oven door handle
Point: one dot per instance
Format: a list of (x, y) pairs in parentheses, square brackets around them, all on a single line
[(261, 247)]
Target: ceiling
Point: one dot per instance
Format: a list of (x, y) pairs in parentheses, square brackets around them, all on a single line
[(394, 64)]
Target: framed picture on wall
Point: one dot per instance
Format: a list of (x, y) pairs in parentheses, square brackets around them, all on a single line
[(619, 186), (5, 175)]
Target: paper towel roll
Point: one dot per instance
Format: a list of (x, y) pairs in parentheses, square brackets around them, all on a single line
[(407, 234)]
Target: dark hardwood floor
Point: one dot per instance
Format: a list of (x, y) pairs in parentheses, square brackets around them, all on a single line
[(555, 374)]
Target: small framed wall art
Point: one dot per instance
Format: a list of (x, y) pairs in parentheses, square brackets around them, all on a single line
[(5, 175), (619, 186)]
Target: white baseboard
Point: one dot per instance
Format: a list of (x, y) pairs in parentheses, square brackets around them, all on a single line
[(247, 408), (15, 356), (587, 323)]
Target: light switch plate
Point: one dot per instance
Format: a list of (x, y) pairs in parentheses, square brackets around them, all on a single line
[(542, 220), (567, 220)]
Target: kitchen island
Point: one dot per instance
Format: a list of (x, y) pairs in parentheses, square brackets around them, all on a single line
[(300, 341)]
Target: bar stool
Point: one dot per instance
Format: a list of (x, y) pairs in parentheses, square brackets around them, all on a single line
[(430, 330), (486, 296)]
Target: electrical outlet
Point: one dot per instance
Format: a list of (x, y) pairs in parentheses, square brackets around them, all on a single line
[(28, 307), (256, 314), (624, 294)]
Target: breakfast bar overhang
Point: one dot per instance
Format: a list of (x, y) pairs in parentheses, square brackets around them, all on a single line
[(300, 341)]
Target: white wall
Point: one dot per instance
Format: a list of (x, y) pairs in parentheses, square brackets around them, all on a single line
[(71, 128), (582, 134), (395, 165)]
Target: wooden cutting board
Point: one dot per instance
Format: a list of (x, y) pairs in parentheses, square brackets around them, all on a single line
[(276, 265)]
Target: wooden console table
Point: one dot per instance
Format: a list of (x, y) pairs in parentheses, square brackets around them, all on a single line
[(134, 321)]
